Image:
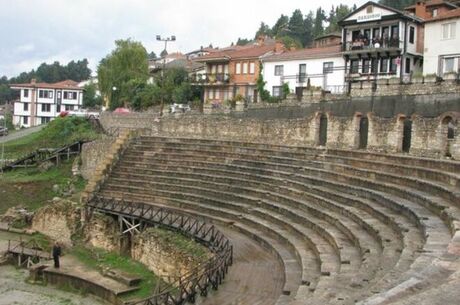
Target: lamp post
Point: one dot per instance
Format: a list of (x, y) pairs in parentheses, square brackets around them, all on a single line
[(166, 40), (112, 93)]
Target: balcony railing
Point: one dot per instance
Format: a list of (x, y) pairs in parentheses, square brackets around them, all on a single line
[(372, 45), (210, 78)]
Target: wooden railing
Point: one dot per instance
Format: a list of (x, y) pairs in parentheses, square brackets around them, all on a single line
[(44, 154), (200, 280)]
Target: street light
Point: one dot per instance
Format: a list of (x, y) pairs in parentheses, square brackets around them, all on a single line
[(166, 40)]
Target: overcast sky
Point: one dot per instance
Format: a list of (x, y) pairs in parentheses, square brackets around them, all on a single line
[(36, 31)]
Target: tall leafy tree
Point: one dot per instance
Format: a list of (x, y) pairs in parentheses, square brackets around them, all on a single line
[(281, 26), (296, 25), (318, 28), (264, 30), (242, 41), (308, 28), (125, 68), (335, 15)]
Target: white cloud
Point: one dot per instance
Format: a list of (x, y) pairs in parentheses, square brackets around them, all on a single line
[(66, 29)]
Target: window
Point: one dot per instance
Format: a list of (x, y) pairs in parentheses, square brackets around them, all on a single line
[(370, 9), (366, 66), (448, 30), (26, 107), (411, 34), (279, 70), (46, 107), (449, 65), (407, 66), (70, 95), (213, 71), (45, 120), (328, 67), (25, 120), (393, 65), (354, 66), (69, 107), (245, 68), (220, 69), (252, 68), (276, 91), (384, 65), (45, 94), (395, 31), (26, 93), (238, 68), (374, 66), (435, 12), (210, 94), (302, 72)]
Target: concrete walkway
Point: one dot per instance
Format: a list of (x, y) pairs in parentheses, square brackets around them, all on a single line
[(20, 133)]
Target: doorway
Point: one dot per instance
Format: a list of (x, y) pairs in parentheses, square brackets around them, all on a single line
[(363, 132), (407, 135), (323, 130)]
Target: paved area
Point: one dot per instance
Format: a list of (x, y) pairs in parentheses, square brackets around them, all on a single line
[(14, 290), (20, 133), (255, 278)]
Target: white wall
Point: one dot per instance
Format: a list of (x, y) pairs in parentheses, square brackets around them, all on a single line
[(435, 46), (376, 11), (314, 67)]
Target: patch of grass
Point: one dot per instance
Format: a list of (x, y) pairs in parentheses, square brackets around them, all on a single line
[(31, 188), (182, 243), (57, 133), (95, 258), (43, 241)]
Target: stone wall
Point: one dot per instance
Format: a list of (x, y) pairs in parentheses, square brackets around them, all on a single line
[(59, 221), (102, 231), (92, 154), (389, 87), (163, 258)]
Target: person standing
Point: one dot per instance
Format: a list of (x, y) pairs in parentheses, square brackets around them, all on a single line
[(56, 254)]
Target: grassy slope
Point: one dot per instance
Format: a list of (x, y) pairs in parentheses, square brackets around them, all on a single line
[(29, 187), (98, 259), (57, 133)]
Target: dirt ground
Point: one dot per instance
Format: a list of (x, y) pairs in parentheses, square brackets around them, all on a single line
[(15, 291)]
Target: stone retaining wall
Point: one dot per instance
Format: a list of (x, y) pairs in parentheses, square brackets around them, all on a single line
[(92, 154)]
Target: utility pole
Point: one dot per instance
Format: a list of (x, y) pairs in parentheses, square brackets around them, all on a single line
[(166, 40)]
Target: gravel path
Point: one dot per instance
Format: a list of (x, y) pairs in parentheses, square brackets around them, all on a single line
[(21, 133)]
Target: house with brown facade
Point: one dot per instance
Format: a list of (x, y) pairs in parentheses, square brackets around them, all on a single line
[(234, 71)]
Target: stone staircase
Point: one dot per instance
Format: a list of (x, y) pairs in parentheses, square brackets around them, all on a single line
[(346, 226)]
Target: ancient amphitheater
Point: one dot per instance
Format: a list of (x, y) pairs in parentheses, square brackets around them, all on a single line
[(308, 225)]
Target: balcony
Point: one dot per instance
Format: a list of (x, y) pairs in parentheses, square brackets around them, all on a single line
[(357, 47), (210, 78)]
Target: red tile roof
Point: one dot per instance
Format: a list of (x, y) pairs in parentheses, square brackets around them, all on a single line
[(447, 15), (430, 3), (67, 84), (239, 52), (323, 52)]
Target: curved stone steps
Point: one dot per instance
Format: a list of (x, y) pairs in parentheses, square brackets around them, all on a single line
[(276, 165), (327, 253), (393, 254), (265, 233)]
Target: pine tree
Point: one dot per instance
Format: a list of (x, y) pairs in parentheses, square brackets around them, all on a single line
[(308, 30), (280, 27), (296, 26), (318, 28), (264, 30)]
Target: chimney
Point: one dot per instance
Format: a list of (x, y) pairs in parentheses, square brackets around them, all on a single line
[(279, 47), (33, 81), (261, 40), (420, 10)]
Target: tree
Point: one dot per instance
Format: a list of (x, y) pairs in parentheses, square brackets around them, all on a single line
[(307, 38), (318, 28), (90, 98), (296, 25), (242, 41), (125, 68), (152, 56), (281, 26), (290, 43), (264, 30), (260, 84), (335, 16)]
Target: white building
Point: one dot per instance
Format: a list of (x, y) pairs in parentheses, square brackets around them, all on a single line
[(319, 67), (442, 44), (39, 103), (382, 42)]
